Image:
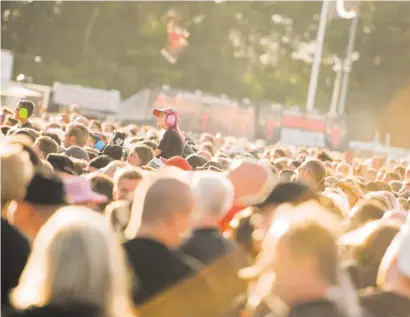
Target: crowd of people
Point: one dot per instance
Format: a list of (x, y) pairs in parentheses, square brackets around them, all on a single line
[(101, 219)]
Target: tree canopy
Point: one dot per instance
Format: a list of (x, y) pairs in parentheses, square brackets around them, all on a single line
[(241, 49)]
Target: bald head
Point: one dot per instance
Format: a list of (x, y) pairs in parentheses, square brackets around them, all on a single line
[(166, 197)]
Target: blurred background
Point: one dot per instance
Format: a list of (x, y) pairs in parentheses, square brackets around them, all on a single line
[(260, 52)]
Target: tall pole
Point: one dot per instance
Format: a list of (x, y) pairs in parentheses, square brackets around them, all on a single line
[(346, 66), (336, 86), (318, 56)]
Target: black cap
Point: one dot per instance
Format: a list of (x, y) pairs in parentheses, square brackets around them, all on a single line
[(61, 163), (288, 193), (113, 151), (46, 190), (100, 161)]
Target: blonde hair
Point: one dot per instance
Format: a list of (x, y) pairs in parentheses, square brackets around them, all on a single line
[(17, 171), (76, 257)]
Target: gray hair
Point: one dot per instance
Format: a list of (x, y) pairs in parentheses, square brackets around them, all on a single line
[(213, 192)]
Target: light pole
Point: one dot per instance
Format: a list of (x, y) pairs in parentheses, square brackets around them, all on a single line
[(348, 61), (337, 67), (310, 103)]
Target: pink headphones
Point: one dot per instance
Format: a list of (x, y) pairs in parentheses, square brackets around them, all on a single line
[(171, 118)]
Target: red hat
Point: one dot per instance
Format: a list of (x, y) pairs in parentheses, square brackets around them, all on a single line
[(158, 112), (177, 161)]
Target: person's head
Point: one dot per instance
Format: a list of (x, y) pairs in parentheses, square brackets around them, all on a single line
[(16, 172), (391, 176), (403, 203), (95, 125), (98, 162), (113, 151), (24, 110), (61, 163), (53, 136), (291, 193), (140, 155), (45, 146), (407, 174), (278, 153), (343, 168), (396, 186), (166, 118), (32, 134), (400, 170), (45, 194), (286, 176), (364, 212), (166, 211), (196, 161), (305, 262), (313, 173), (76, 134), (77, 152), (213, 194), (118, 213), (252, 181), (125, 182), (150, 143), (369, 251), (352, 192), (394, 271), (76, 258), (103, 185)]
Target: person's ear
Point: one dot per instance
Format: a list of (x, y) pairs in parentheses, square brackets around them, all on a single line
[(73, 140)]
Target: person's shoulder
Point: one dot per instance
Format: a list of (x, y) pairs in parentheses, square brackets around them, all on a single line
[(14, 237)]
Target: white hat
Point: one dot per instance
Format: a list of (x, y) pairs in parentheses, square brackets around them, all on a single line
[(403, 261)]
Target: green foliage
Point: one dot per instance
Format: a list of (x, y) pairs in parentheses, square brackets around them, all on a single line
[(236, 49)]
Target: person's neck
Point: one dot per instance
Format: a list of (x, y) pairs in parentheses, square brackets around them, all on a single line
[(313, 290), (23, 121), (206, 222), (160, 234)]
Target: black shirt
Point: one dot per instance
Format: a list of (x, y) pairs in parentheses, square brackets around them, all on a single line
[(26, 125), (315, 308), (156, 267), (171, 144), (207, 245), (15, 250), (385, 304)]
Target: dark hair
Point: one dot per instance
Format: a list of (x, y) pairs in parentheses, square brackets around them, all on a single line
[(295, 163), (196, 161), (102, 184), (46, 145), (4, 130), (318, 171), (27, 132), (150, 143), (100, 161), (366, 211), (61, 163), (369, 254), (145, 153), (26, 104), (293, 193), (52, 135)]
